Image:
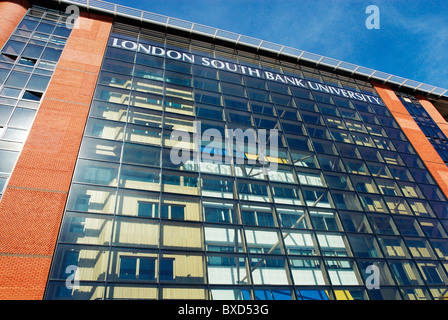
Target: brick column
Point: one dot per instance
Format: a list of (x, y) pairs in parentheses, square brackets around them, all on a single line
[(11, 13), (33, 203), (416, 137)]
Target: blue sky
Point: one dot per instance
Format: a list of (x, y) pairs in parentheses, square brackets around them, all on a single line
[(412, 41)]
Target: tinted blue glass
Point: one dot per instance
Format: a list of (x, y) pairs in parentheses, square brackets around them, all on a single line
[(312, 295), (128, 268), (166, 269), (51, 54), (32, 51)]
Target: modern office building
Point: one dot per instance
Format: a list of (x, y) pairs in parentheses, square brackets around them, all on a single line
[(145, 157)]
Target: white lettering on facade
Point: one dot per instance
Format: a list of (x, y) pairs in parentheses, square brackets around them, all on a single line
[(233, 67)]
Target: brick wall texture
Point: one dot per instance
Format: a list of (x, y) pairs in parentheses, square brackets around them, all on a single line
[(33, 203), (11, 13)]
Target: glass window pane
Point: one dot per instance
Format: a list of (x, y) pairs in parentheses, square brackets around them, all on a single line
[(13, 47), (441, 248), (104, 129), (68, 256), (229, 294), (114, 95), (365, 246), (385, 294), (324, 146), (181, 236), (355, 166), (299, 143), (226, 269), (310, 294), (232, 102), (22, 118), (300, 243), (286, 113), (333, 244), (108, 111), (311, 178), (269, 271), (257, 215), (139, 178), (139, 154), (3, 74), (393, 247), (209, 112), (406, 273), (304, 159), (91, 199), (415, 294), (115, 80), (408, 226), (17, 79), (96, 172), (331, 163), (32, 51), (343, 272), (355, 222), (421, 208), (8, 160), (180, 183), (293, 218), (180, 208), (31, 95), (15, 135), (5, 113), (219, 188), (324, 220), (86, 229), (346, 200), (51, 54), (441, 209), (145, 135), (338, 181), (116, 66), (432, 192), (383, 224), (307, 271), (432, 228), (38, 83), (219, 212), (120, 54), (223, 239), (385, 277), (101, 149), (62, 31), (420, 248), (45, 27), (10, 92), (27, 24), (273, 295)]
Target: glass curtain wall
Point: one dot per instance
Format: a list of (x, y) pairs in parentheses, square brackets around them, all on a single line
[(27, 62), (347, 193), (431, 130)]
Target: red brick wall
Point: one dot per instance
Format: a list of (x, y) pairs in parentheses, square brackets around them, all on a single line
[(11, 13), (416, 137), (34, 200)]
